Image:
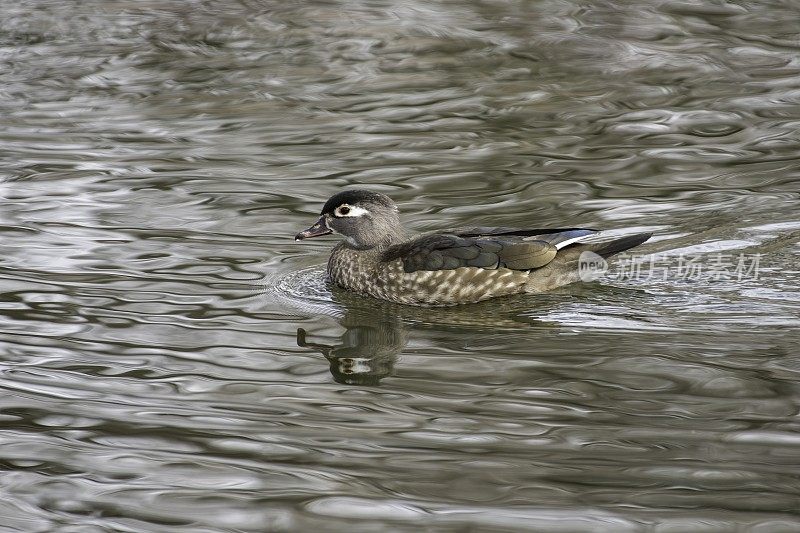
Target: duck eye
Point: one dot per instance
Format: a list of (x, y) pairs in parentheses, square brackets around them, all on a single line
[(344, 210)]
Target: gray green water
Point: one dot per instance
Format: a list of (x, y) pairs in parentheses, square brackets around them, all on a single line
[(157, 158)]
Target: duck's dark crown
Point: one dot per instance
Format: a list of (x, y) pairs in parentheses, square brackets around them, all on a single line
[(355, 196)]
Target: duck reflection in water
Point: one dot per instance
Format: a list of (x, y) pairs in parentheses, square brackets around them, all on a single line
[(376, 331), (367, 351)]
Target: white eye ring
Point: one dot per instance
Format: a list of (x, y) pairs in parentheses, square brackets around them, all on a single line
[(345, 210)]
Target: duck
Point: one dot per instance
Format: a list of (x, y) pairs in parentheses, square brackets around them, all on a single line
[(377, 258)]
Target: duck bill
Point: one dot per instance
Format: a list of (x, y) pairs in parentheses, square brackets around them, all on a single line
[(320, 228)]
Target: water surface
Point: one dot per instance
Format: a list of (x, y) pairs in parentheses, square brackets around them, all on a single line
[(173, 361)]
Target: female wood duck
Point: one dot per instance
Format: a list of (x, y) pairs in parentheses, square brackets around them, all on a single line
[(455, 266)]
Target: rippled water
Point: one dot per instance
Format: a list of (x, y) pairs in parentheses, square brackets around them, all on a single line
[(173, 361)]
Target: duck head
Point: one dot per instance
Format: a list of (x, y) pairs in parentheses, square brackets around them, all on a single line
[(365, 219)]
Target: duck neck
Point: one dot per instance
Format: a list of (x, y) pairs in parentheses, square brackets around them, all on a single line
[(377, 245), (390, 239)]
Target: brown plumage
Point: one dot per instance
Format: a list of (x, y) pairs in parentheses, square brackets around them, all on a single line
[(455, 266)]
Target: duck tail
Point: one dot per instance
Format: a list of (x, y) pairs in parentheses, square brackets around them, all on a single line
[(607, 249)]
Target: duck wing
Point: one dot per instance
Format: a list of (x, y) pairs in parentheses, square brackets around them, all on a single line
[(482, 247), (559, 237)]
